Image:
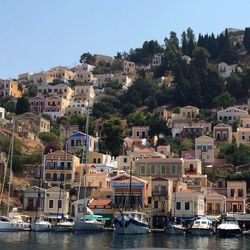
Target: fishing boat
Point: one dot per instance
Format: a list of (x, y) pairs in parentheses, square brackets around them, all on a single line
[(229, 227), (86, 223), (202, 226)]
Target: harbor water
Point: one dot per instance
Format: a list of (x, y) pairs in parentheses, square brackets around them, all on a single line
[(109, 240)]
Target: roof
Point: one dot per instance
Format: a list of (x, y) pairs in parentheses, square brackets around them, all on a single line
[(59, 153), (187, 191), (222, 125), (188, 107), (159, 160), (101, 202), (125, 177), (159, 179), (243, 129), (99, 174)]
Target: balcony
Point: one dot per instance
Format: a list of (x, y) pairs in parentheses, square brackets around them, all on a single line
[(160, 193), (58, 168)]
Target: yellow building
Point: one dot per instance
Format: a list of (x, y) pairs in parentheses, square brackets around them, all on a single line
[(97, 180), (243, 136), (61, 73), (189, 112), (204, 149), (55, 106), (192, 166), (9, 88), (56, 201)]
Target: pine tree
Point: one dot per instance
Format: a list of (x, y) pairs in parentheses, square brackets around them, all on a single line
[(246, 40)]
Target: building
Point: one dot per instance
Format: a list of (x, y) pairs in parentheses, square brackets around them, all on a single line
[(189, 112), (60, 166), (231, 114), (164, 149), (84, 90), (138, 134), (61, 73), (37, 104), (55, 106), (215, 203), (103, 79), (9, 88), (120, 185), (84, 77), (192, 132), (124, 162), (245, 121), (2, 113), (67, 130), (128, 66), (97, 180), (29, 122), (192, 166), (167, 168), (204, 149), (242, 136), (79, 141), (157, 60), (76, 108), (103, 58), (222, 132), (56, 201), (226, 70), (236, 196), (33, 199), (59, 90), (123, 80), (41, 78), (188, 203), (163, 113)]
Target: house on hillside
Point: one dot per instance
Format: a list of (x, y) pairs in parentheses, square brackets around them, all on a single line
[(33, 199), (9, 88), (204, 149), (189, 112), (231, 114), (222, 132)]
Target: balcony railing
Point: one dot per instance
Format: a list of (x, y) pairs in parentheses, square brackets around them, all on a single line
[(58, 168), (160, 193)]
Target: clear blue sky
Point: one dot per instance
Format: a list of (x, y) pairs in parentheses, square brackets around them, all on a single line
[(39, 34)]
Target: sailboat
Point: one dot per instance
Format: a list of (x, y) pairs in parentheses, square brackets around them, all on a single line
[(40, 225), (173, 228), (89, 222), (6, 223), (131, 222), (64, 225)]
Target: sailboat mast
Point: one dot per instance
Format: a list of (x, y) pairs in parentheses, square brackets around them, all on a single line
[(130, 187), (11, 161)]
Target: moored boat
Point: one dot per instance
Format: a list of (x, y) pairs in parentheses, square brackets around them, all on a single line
[(229, 227), (41, 226), (8, 225), (202, 226), (89, 222), (174, 229), (131, 222), (63, 226)]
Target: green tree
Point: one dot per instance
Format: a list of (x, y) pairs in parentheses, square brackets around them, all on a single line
[(136, 119), (51, 141), (9, 103), (224, 100), (184, 43), (113, 135), (246, 39), (22, 105), (186, 144), (190, 41)]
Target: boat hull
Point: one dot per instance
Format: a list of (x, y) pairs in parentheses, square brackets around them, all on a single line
[(127, 225), (174, 230), (229, 232), (37, 227), (201, 232), (10, 227), (88, 226), (62, 228)]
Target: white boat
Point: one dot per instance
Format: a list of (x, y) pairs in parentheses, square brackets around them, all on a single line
[(41, 226), (202, 226), (229, 227), (63, 226), (21, 219), (131, 222), (89, 222), (174, 229), (8, 225)]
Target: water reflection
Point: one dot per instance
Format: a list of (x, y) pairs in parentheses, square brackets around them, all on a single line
[(108, 240)]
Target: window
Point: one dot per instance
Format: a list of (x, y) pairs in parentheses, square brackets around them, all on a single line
[(163, 169), (152, 169), (220, 184), (243, 137), (125, 160), (240, 192), (173, 169), (100, 184), (232, 192), (178, 205), (59, 204), (51, 203), (155, 204), (142, 169), (187, 206)]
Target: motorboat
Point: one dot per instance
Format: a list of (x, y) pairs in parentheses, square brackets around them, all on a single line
[(21, 219), (8, 225), (131, 222), (174, 229), (229, 227), (89, 222), (202, 226), (63, 226), (41, 226)]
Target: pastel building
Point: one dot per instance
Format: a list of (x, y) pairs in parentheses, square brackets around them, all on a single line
[(9, 88), (204, 149), (243, 136), (33, 199), (2, 113), (55, 106), (59, 90), (215, 203), (230, 114), (189, 112), (37, 104), (222, 132)]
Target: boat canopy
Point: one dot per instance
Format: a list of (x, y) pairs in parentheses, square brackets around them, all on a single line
[(95, 217)]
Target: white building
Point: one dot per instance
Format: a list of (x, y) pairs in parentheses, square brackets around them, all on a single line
[(2, 113), (230, 114), (188, 203), (226, 70)]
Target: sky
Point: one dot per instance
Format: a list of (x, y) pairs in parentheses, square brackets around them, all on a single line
[(36, 35)]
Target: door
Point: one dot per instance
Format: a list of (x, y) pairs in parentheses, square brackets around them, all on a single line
[(30, 204), (235, 208)]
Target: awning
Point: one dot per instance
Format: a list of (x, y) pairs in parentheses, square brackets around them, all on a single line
[(95, 217)]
